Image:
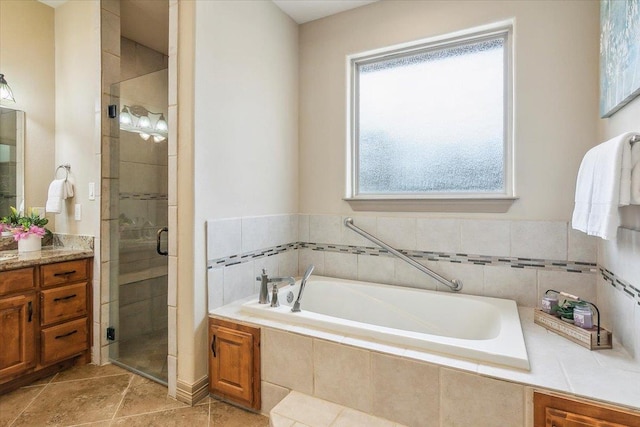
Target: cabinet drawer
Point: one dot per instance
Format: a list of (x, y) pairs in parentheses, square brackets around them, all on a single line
[(62, 341), (64, 272), (63, 303), (17, 280)]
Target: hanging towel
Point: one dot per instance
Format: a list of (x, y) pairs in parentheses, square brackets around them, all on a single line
[(603, 185), (55, 196), (68, 188)]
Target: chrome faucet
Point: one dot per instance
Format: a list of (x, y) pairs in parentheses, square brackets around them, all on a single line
[(265, 280), (296, 305)]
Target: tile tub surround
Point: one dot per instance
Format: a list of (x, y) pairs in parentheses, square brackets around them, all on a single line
[(423, 389)]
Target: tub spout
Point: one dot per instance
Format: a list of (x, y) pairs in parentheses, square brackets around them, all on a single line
[(265, 280), (296, 305)]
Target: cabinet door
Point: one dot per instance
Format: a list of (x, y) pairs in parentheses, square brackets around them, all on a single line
[(234, 362), (231, 362), (17, 335)]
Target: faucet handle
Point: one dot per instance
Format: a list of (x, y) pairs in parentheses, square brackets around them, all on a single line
[(263, 276)]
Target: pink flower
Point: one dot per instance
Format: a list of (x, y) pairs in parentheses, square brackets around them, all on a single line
[(22, 233)]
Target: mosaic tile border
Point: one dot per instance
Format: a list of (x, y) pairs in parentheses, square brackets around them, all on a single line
[(620, 284), (143, 196), (459, 258)]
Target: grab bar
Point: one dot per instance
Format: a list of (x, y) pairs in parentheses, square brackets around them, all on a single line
[(455, 284)]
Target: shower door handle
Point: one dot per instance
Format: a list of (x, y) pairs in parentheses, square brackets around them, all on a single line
[(159, 237)]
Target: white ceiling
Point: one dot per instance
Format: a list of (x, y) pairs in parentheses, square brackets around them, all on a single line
[(309, 10)]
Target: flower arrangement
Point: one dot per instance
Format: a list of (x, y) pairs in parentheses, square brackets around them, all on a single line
[(22, 226)]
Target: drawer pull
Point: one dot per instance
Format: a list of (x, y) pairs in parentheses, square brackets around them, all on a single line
[(67, 334), (213, 346), (64, 273), (65, 298), (30, 311)]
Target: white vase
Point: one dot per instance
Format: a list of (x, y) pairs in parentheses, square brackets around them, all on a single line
[(31, 243)]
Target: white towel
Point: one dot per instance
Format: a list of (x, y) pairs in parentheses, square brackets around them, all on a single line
[(603, 185), (55, 196), (68, 188)]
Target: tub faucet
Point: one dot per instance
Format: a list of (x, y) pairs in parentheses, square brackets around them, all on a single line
[(296, 305), (265, 280)]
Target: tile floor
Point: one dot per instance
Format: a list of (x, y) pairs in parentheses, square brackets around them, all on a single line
[(111, 396), (146, 353)]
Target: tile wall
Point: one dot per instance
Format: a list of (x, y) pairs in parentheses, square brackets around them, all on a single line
[(519, 260)]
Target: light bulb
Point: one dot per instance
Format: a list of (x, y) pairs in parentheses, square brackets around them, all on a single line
[(158, 138), (144, 122), (144, 136), (125, 117), (5, 91), (161, 125)]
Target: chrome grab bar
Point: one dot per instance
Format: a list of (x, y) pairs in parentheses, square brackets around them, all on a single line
[(455, 284)]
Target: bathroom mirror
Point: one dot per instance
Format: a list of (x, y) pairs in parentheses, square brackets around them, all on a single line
[(11, 159)]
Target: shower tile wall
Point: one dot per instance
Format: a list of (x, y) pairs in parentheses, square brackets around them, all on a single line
[(143, 202)]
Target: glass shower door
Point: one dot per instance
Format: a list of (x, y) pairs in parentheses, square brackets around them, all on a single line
[(138, 290)]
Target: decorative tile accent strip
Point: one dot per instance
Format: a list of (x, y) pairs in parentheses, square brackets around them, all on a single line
[(143, 196), (620, 284), (458, 258)]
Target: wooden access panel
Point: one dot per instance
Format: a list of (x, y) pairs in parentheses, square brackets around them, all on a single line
[(234, 362), (558, 411)]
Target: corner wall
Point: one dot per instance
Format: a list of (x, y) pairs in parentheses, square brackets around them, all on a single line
[(245, 142), (622, 256)]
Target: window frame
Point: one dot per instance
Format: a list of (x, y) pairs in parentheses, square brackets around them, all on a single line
[(442, 201)]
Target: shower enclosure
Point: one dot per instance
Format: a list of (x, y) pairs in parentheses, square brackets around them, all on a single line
[(138, 289)]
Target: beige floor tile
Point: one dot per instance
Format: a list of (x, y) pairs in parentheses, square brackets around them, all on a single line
[(277, 420), (187, 417), (13, 403), (76, 402), (146, 396), (308, 409), (225, 415), (88, 371), (351, 418)]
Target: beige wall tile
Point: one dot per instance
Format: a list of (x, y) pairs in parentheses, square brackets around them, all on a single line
[(485, 237), (438, 235), (341, 265), (379, 269), (342, 374), (518, 284), (287, 360), (539, 239), (405, 391), (471, 400)]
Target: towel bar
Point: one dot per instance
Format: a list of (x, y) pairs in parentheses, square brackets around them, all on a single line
[(66, 167)]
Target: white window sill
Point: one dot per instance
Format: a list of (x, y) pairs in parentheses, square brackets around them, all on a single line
[(497, 204)]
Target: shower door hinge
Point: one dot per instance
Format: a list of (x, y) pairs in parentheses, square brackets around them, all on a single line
[(111, 334), (112, 110)]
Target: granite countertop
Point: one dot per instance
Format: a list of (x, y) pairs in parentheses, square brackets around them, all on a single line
[(557, 364), (11, 259)]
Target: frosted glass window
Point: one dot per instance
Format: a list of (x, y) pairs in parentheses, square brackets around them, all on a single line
[(432, 120)]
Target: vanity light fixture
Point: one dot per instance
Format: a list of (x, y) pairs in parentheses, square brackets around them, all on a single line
[(147, 124), (6, 94)]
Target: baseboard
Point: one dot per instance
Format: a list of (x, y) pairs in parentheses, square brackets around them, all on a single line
[(192, 393)]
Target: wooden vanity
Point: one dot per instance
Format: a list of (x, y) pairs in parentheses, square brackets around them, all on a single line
[(45, 315)]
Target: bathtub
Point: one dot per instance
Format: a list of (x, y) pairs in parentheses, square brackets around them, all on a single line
[(478, 328)]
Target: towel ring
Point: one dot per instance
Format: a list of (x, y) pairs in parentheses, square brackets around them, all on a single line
[(67, 168)]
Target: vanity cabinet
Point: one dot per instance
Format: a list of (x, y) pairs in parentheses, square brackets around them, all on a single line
[(234, 362), (558, 411), (44, 320)]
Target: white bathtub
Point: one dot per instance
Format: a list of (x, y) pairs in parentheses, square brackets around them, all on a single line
[(478, 328)]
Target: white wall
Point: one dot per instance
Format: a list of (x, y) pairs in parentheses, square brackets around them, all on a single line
[(246, 130), (77, 48), (27, 61), (622, 256), (556, 99)]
